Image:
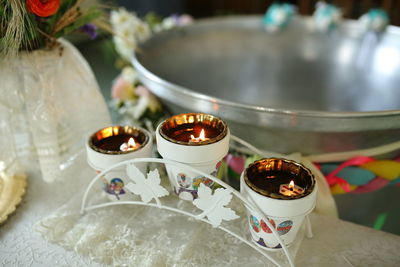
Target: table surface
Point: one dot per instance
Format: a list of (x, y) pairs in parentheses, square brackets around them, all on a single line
[(336, 242)]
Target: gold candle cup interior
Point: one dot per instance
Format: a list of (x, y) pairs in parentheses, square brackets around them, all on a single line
[(256, 176), (140, 137), (177, 128)]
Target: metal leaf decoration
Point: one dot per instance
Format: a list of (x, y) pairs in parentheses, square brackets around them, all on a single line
[(213, 205), (147, 188)]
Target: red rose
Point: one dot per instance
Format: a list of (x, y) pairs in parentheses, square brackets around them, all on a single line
[(43, 8)]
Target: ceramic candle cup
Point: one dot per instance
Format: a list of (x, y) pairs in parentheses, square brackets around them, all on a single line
[(262, 183), (112, 145), (196, 139)]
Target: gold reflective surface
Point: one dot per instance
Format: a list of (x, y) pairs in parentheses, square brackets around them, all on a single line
[(181, 122), (301, 176), (139, 136)]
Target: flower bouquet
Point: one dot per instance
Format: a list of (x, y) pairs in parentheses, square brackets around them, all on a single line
[(34, 24)]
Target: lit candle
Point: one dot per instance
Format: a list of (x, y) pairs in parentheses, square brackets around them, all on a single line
[(196, 139), (114, 144), (202, 137), (278, 178), (285, 191), (118, 139), (290, 189), (130, 145), (193, 129)]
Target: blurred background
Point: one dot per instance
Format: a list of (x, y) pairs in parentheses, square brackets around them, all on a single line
[(352, 9)]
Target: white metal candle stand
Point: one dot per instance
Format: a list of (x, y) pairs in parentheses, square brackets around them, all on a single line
[(211, 202)]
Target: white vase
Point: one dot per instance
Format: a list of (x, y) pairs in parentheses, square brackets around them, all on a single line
[(53, 104)]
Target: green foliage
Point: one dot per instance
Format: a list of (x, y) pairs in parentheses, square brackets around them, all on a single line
[(32, 36), (2, 8), (90, 15), (107, 48), (152, 19)]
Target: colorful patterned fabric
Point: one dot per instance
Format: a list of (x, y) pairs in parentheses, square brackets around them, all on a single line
[(357, 175), (361, 174)]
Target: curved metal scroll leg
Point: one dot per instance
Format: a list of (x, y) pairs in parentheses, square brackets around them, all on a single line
[(309, 232)]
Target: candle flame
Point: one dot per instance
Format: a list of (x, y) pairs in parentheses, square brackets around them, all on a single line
[(291, 185), (290, 189), (131, 143), (202, 137)]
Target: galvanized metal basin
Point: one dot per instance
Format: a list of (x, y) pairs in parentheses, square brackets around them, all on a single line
[(294, 91)]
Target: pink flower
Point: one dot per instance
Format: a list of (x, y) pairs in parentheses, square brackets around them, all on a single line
[(122, 89), (142, 91), (153, 103), (185, 19)]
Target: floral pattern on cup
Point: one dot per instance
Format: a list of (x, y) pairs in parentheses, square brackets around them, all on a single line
[(258, 225), (262, 243), (265, 227), (201, 180), (254, 223), (282, 229), (188, 187), (114, 187)]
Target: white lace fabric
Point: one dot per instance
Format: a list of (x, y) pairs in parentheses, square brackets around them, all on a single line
[(51, 102), (144, 236)]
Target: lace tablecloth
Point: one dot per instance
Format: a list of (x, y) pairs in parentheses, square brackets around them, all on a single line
[(336, 242)]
